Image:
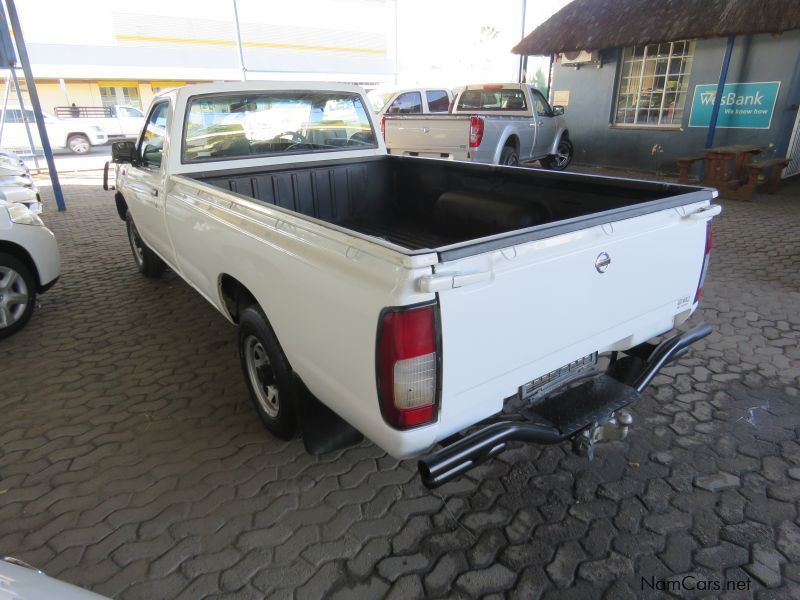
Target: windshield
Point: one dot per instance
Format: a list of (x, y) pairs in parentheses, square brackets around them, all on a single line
[(231, 126), (492, 99)]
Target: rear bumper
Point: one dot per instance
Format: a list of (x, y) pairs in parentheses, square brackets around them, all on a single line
[(565, 414)]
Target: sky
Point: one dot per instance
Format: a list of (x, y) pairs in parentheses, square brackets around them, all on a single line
[(454, 42)]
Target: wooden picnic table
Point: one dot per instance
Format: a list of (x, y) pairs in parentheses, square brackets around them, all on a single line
[(716, 172)]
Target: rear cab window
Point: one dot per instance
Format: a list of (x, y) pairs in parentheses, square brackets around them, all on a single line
[(490, 98), (227, 126)]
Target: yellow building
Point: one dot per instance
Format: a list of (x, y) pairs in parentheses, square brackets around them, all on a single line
[(102, 53)]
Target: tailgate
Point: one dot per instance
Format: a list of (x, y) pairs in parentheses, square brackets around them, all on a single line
[(527, 310), (432, 134)]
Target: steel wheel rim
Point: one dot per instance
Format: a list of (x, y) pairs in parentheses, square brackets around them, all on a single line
[(136, 244), (79, 145), (14, 296), (261, 375)]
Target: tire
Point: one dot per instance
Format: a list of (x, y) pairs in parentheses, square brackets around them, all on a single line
[(509, 157), (17, 294), (267, 373), (148, 262), (78, 143), (560, 161)]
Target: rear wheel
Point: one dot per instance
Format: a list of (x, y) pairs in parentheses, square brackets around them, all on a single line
[(267, 373), (509, 157), (17, 294), (561, 159), (78, 143), (147, 261)]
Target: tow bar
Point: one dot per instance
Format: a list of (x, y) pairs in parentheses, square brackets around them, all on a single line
[(587, 413)]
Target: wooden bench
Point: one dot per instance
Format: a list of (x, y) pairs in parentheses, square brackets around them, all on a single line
[(684, 164), (746, 190)]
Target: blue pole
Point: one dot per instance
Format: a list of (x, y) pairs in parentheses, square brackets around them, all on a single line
[(723, 75), (37, 107)]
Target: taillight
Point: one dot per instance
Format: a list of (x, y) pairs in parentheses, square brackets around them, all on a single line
[(407, 366), (383, 126), (705, 263), (475, 131)]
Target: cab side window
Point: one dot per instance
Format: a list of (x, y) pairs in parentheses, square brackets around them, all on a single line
[(438, 101), (408, 103), (542, 107), (151, 146)]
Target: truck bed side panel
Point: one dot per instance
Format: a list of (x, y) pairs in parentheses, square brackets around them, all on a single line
[(322, 294)]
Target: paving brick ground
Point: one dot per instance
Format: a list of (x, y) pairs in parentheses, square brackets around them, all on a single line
[(131, 462)]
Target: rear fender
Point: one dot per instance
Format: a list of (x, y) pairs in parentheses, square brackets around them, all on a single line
[(507, 133), (562, 133)]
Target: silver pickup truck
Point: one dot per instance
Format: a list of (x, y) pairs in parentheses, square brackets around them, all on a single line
[(500, 124)]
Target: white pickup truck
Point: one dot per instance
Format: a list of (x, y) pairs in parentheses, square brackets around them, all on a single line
[(407, 298), (76, 136), (498, 123), (118, 121)]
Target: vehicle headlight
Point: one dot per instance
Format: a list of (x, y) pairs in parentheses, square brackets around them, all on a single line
[(19, 214)]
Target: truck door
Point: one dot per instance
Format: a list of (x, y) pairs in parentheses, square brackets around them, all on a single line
[(545, 124), (147, 180)]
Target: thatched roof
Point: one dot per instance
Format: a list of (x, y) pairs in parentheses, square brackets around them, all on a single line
[(598, 24)]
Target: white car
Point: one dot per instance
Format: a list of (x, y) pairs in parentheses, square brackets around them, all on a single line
[(29, 264), (21, 581), (74, 135), (17, 185), (8, 158)]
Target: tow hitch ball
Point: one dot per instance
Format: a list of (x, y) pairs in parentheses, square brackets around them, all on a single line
[(612, 430)]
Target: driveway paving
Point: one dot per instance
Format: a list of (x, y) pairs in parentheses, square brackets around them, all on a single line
[(132, 463)]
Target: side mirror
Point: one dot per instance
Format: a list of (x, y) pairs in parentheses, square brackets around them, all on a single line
[(558, 110), (123, 152)]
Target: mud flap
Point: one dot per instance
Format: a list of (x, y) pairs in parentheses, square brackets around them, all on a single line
[(323, 430)]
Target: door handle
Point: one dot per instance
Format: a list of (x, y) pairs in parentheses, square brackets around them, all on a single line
[(154, 191)]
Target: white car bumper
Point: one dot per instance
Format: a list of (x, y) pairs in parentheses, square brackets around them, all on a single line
[(39, 243)]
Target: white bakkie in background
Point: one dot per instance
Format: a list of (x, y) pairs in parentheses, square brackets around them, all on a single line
[(77, 137), (406, 297), (411, 101)]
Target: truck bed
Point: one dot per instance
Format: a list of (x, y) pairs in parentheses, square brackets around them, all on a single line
[(455, 208)]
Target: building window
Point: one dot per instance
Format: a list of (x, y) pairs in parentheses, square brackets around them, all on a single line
[(124, 95), (653, 84)]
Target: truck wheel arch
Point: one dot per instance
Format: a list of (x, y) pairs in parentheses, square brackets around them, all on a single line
[(512, 140), (22, 254), (122, 206), (234, 296)]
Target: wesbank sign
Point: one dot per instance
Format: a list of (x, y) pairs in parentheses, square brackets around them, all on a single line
[(742, 105)]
